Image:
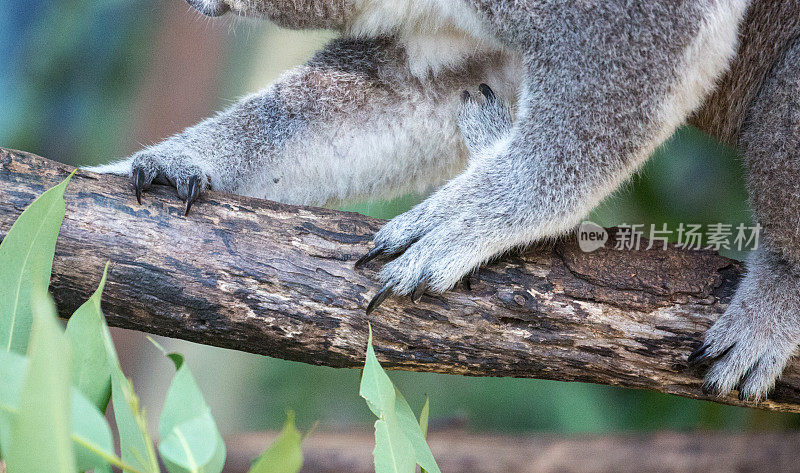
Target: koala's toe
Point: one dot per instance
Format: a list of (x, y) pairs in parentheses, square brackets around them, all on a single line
[(761, 378), (189, 190), (406, 229), (142, 177), (726, 372), (140, 182)]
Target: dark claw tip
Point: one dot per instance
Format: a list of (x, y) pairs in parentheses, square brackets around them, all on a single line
[(741, 396), (487, 92), (465, 96), (379, 298), (419, 291), (138, 183), (693, 358), (468, 283), (374, 253), (194, 193)]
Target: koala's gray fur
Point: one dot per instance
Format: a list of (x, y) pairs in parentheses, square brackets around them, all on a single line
[(593, 86)]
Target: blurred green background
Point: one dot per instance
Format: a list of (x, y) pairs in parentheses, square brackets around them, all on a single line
[(86, 81)]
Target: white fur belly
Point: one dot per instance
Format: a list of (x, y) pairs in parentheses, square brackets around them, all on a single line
[(437, 34)]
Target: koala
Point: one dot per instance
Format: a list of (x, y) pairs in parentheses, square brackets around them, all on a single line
[(592, 89)]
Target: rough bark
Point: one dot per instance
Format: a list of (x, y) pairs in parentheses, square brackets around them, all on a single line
[(278, 280), (460, 452)]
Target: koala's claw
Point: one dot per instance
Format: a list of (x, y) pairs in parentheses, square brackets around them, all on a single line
[(388, 290), (698, 355), (487, 92), (703, 354), (381, 296), (467, 282), (193, 193), (419, 291), (139, 179), (374, 253), (483, 121)]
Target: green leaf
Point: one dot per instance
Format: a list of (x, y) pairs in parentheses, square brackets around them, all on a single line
[(91, 435), (26, 259), (423, 422), (423, 417), (13, 368), (394, 452), (285, 454), (376, 387), (190, 440), (91, 371), (136, 447), (411, 429), (193, 446), (40, 432)]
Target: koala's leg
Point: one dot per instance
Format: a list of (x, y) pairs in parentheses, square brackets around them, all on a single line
[(352, 122), (760, 331), (602, 91)]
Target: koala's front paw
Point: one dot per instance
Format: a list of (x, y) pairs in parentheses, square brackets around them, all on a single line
[(174, 168), (753, 341), (430, 257), (483, 121), (435, 245)]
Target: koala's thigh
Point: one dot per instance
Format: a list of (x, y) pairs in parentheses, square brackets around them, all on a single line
[(771, 144)]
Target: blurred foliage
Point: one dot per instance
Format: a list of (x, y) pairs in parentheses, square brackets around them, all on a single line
[(70, 76), (69, 72)]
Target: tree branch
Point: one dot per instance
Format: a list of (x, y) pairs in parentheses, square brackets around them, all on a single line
[(278, 280)]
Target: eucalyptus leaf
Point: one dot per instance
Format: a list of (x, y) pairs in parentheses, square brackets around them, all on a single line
[(136, 447), (423, 417), (40, 431), (376, 387), (193, 446), (177, 358), (190, 440), (394, 451), (411, 428), (91, 371), (26, 259), (285, 454), (13, 368), (91, 435), (423, 421)]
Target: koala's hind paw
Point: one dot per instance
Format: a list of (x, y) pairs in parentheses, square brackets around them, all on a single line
[(483, 121), (751, 343), (178, 171)]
